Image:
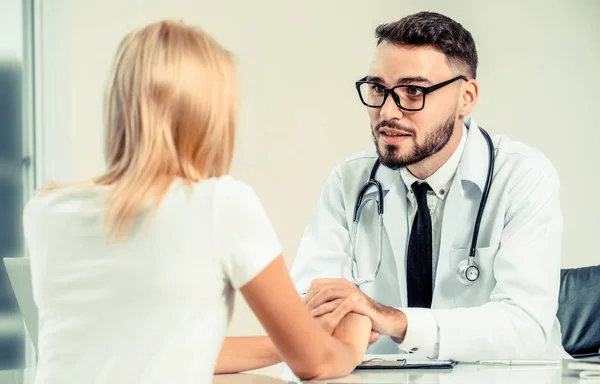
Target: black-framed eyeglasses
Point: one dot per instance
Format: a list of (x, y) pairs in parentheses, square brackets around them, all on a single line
[(407, 97)]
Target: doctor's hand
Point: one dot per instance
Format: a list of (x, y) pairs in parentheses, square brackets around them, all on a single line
[(330, 321), (326, 295)]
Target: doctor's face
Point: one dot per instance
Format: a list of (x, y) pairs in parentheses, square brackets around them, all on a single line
[(402, 137)]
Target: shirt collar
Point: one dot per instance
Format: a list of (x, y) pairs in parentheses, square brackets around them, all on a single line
[(441, 180)]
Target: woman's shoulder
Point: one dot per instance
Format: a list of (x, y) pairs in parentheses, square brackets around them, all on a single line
[(53, 202), (232, 194), (226, 186)]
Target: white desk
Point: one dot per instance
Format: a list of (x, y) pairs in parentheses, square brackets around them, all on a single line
[(460, 374)]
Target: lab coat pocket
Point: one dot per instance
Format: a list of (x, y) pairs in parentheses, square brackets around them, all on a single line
[(479, 292)]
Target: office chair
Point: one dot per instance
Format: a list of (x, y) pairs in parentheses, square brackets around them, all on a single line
[(579, 310), (19, 273)]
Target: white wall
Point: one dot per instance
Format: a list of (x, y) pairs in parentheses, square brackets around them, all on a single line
[(300, 116), (11, 29)]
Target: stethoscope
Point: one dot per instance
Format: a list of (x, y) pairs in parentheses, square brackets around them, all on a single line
[(467, 270)]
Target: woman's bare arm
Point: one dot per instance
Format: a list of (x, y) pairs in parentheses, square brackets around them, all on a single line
[(240, 354), (352, 330), (245, 353), (306, 347)]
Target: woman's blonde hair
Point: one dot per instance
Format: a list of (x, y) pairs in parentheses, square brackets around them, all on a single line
[(170, 113)]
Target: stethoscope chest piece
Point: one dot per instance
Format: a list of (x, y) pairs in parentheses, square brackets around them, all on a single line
[(468, 271)]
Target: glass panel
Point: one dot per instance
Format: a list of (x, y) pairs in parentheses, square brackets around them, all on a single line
[(16, 180)]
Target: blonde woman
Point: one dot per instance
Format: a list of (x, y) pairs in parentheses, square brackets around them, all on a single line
[(134, 271)]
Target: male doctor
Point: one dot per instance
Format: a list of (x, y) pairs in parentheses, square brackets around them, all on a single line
[(434, 164)]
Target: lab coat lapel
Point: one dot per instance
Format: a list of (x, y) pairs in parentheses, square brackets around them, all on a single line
[(395, 222), (471, 169), (451, 215), (474, 163)]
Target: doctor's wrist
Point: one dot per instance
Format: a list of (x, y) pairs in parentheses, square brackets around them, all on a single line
[(391, 322)]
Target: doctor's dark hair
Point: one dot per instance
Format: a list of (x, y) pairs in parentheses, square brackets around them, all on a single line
[(437, 31)]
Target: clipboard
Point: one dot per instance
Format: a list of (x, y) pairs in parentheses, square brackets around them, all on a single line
[(379, 363)]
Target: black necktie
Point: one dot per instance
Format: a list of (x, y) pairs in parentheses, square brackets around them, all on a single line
[(418, 258)]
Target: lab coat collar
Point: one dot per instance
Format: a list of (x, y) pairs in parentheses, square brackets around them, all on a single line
[(475, 159)]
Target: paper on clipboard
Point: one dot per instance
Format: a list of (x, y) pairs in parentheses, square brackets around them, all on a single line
[(403, 361)]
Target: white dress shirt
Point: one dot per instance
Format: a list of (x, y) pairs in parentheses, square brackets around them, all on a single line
[(422, 331)]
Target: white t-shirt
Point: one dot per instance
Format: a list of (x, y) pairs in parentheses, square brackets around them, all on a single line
[(154, 308)]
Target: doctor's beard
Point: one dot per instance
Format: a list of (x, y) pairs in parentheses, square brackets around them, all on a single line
[(434, 142)]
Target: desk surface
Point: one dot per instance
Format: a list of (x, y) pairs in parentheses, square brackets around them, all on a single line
[(462, 373)]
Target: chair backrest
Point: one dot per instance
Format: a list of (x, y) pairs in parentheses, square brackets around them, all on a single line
[(19, 273), (579, 310)]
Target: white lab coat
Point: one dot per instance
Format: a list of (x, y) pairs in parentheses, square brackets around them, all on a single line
[(510, 311)]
